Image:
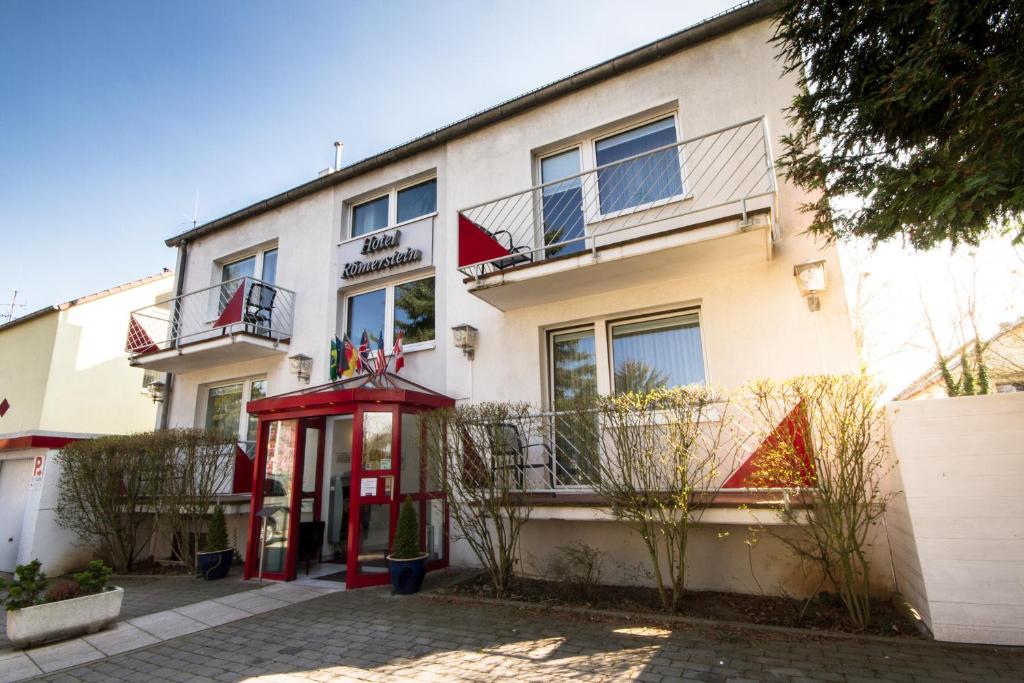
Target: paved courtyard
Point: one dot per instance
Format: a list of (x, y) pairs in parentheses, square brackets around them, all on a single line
[(149, 594), (369, 635)]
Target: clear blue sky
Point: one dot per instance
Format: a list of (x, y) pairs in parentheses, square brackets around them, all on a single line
[(112, 114)]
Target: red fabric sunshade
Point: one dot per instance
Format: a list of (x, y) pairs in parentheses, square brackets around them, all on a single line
[(138, 341), (791, 430), (476, 245), (233, 311)]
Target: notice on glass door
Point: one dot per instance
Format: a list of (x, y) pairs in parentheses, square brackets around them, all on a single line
[(368, 486)]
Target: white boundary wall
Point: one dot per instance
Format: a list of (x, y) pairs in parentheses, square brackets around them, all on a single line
[(957, 527)]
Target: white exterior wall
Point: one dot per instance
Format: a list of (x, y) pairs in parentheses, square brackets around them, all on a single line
[(754, 322), (958, 519)]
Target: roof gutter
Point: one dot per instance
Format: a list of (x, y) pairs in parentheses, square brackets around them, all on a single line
[(732, 19)]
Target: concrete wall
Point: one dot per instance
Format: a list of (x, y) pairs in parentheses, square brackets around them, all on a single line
[(956, 528)]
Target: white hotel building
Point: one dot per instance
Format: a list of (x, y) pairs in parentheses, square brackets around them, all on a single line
[(628, 215)]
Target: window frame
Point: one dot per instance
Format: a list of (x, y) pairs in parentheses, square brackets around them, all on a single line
[(391, 192), (603, 354), (389, 311), (610, 325), (243, 421), (587, 145), (551, 334), (259, 253)]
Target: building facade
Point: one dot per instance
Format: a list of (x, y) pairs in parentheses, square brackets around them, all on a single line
[(621, 228), (63, 377)]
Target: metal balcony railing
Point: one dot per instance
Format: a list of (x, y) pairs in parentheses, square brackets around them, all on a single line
[(729, 167), (242, 305)]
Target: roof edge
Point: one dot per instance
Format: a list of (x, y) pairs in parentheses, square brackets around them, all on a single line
[(719, 24)]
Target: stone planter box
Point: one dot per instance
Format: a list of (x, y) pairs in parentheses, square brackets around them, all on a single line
[(31, 626)]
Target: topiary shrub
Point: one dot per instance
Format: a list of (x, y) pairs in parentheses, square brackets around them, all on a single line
[(28, 587), (407, 533), (95, 577), (216, 531)]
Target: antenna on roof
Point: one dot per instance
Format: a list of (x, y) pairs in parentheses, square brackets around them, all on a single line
[(195, 209), (9, 315)]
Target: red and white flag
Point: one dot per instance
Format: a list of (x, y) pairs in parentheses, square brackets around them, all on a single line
[(399, 358)]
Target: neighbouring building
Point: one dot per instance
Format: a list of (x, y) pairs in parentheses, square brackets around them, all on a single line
[(625, 224), (1002, 354), (63, 377)]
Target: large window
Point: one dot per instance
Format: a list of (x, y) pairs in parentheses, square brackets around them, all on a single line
[(261, 265), (573, 367), (657, 352), (406, 307), (644, 180), (226, 414), (399, 205)]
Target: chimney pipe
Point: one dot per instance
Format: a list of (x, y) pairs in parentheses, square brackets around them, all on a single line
[(338, 148)]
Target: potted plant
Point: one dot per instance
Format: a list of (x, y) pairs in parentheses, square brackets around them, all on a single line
[(407, 563), (215, 560), (36, 615)]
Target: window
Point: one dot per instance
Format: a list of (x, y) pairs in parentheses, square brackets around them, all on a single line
[(563, 202), (573, 367), (406, 307), (414, 310), (418, 200), (397, 206), (226, 414), (659, 352), (370, 216), (262, 262), (640, 181)]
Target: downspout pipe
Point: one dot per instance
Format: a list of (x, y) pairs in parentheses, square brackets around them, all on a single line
[(179, 284)]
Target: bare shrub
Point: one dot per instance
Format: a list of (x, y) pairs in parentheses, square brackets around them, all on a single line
[(577, 567), (827, 451), (666, 453), (475, 452)]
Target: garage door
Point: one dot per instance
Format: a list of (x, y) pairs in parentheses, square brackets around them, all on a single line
[(14, 481)]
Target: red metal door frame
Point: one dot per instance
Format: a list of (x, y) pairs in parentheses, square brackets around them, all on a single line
[(353, 578)]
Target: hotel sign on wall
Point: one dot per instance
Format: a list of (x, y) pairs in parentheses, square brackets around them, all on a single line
[(387, 252)]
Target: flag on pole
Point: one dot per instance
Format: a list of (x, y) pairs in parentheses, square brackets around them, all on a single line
[(364, 353), (350, 361), (399, 358), (382, 362), (334, 359)]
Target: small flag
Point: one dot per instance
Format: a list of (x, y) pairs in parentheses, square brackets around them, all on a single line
[(364, 353), (334, 359), (399, 358), (350, 359), (382, 362)]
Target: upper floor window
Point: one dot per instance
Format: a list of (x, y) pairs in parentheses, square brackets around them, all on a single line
[(262, 265), (643, 180), (400, 205)]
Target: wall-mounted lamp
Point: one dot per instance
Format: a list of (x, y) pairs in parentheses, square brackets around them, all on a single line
[(465, 339), (157, 391), (810, 277), (302, 366)]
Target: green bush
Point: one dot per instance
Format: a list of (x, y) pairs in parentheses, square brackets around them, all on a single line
[(28, 587), (407, 534), (94, 579), (216, 532)]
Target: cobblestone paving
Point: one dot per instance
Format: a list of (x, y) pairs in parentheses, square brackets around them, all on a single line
[(369, 635), (149, 594)]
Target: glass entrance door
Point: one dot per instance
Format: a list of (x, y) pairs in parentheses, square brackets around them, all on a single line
[(373, 505), (287, 524)]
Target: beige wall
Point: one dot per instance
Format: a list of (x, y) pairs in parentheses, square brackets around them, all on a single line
[(26, 351), (91, 388), (960, 514)]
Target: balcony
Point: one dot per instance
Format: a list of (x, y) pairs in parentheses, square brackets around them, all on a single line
[(690, 206), (238, 320)]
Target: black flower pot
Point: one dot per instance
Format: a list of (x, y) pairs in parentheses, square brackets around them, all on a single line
[(407, 575), (215, 565)]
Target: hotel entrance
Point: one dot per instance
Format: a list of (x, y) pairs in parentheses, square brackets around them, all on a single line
[(333, 465)]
